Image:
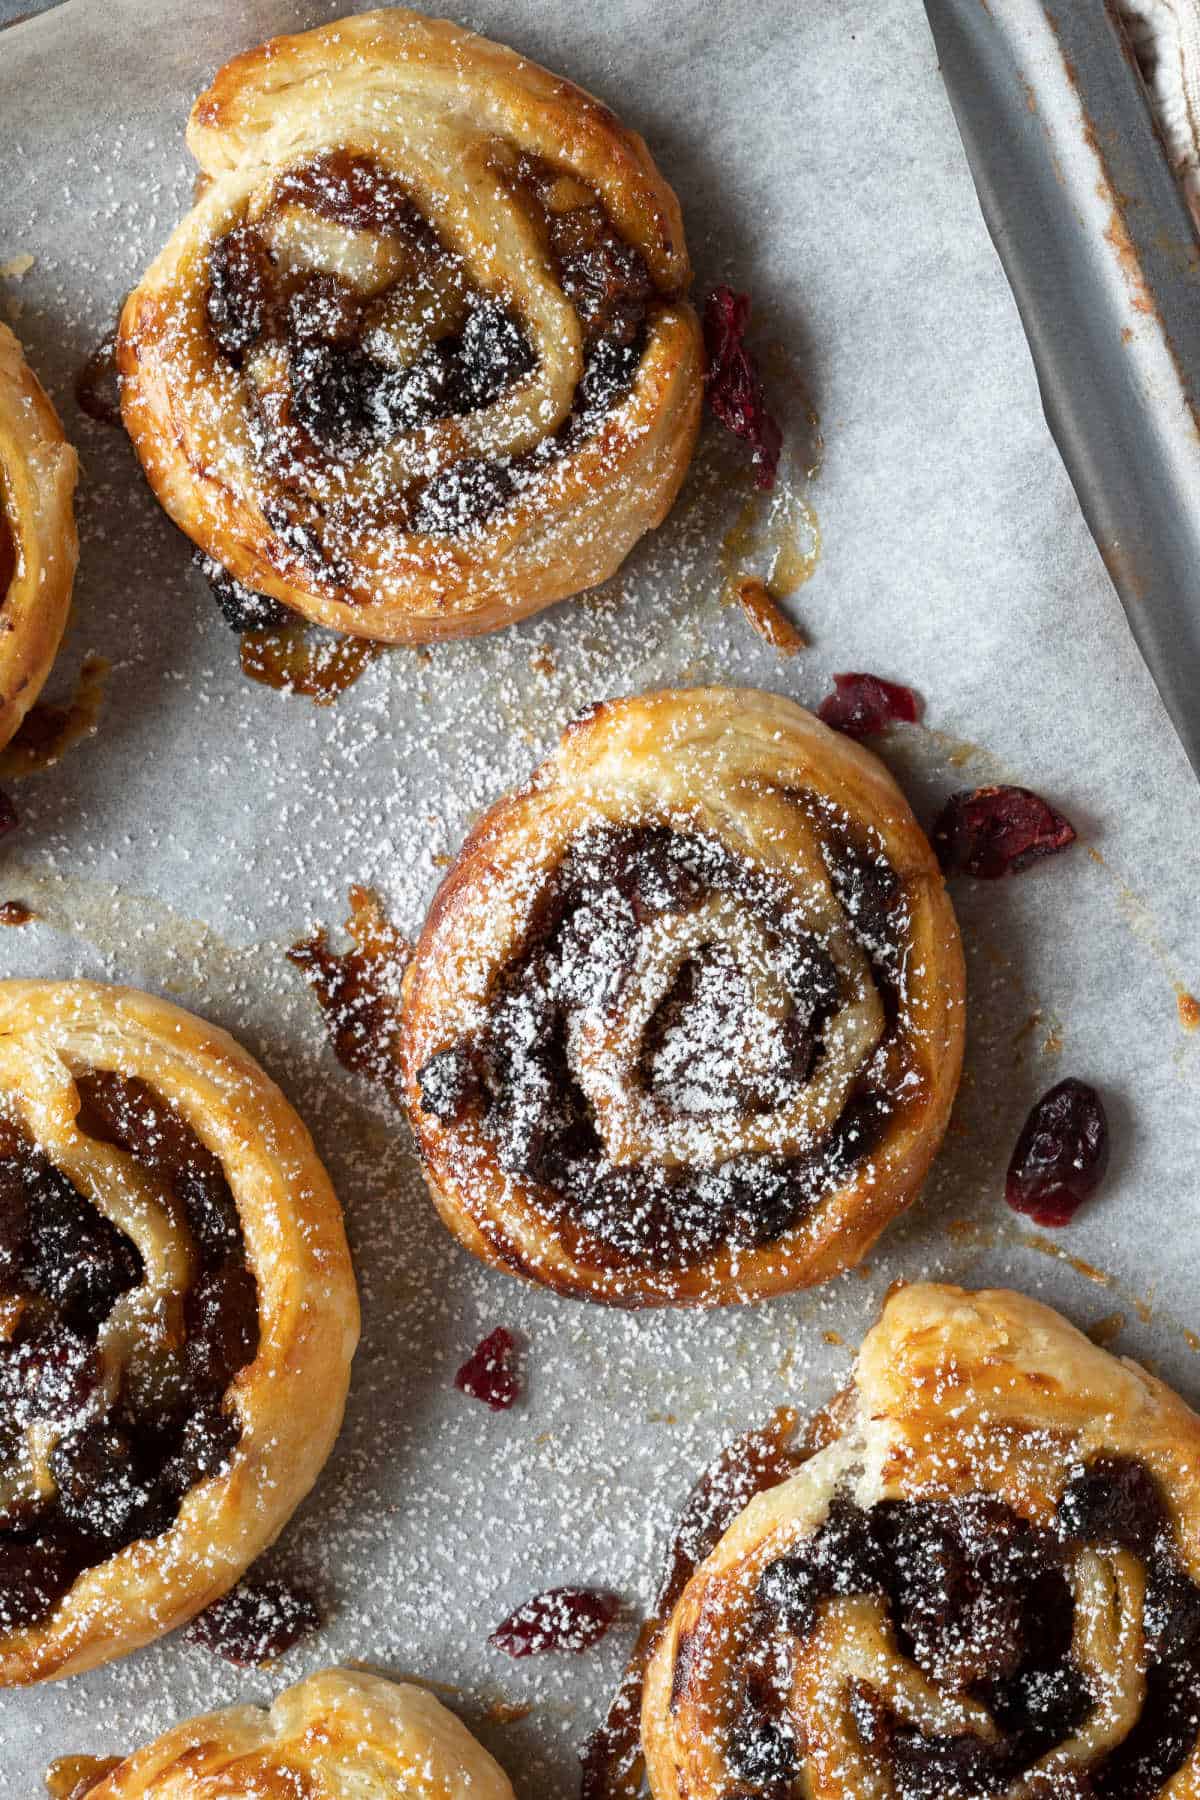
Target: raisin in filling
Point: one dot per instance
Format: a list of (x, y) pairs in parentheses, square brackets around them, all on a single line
[(703, 1056), (115, 1461), (396, 337), (980, 1602)]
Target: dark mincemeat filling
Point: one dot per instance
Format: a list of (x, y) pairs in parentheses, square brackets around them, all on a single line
[(63, 1267), (581, 945), (980, 1602), (341, 401)]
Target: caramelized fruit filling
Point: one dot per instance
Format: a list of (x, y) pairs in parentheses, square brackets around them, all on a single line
[(705, 1054), (355, 322), (979, 1600), (90, 1461)]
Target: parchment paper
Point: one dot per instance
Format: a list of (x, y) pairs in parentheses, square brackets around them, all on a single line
[(209, 821)]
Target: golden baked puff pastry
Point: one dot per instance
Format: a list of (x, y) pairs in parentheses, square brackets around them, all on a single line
[(38, 546), (177, 1319), (685, 1022), (341, 1733), (419, 361), (983, 1588)]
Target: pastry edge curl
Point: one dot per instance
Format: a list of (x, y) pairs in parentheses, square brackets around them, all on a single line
[(408, 1735), (239, 111), (290, 1399), (38, 471)]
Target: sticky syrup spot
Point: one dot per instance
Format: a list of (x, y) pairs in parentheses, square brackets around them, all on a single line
[(758, 1460), (298, 659), (1032, 1240), (775, 539), (508, 1712), (98, 383), (49, 730), (15, 912), (358, 990), (71, 1777), (1106, 1331)]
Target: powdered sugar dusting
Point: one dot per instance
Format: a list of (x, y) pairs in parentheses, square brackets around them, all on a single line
[(211, 822)]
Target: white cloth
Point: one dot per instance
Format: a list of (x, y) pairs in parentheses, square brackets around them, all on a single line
[(1165, 35)]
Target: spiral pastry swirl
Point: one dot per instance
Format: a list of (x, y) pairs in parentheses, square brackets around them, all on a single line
[(418, 362), (340, 1732), (984, 1588), (177, 1318), (38, 545), (685, 1021)]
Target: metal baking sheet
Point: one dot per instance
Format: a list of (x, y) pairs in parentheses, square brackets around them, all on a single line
[(1098, 243), (209, 822)]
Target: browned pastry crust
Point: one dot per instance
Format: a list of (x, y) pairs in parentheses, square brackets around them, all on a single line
[(513, 264), (169, 1245), (340, 1732), (38, 546), (685, 1022), (985, 1585)]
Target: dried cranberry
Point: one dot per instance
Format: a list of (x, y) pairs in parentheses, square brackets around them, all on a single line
[(996, 831), (563, 1618), (256, 1621), (488, 1373), (1060, 1156), (864, 705), (734, 385)]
